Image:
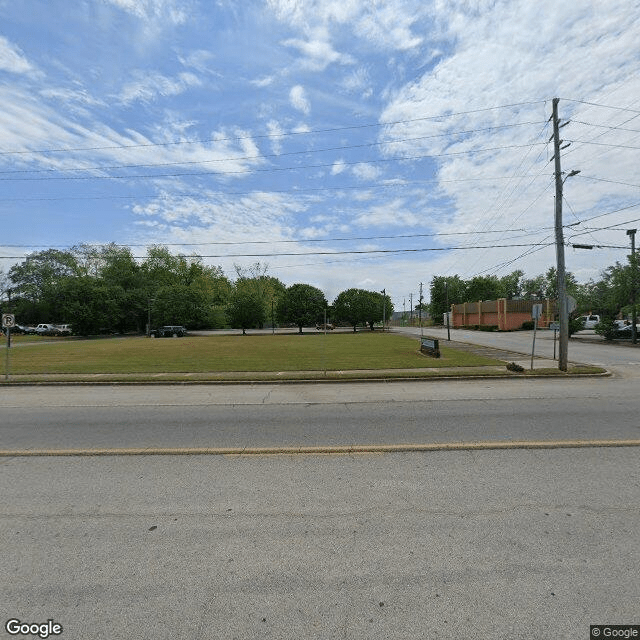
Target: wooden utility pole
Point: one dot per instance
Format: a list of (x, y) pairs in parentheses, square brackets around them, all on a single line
[(562, 290), (420, 309), (634, 268)]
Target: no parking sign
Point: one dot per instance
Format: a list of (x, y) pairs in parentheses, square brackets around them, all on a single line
[(8, 320)]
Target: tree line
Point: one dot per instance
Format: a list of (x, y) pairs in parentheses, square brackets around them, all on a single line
[(610, 295), (100, 289)]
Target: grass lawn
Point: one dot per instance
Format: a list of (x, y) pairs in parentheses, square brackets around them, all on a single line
[(233, 353)]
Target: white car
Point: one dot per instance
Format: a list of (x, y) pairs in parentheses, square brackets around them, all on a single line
[(47, 330), (590, 322)]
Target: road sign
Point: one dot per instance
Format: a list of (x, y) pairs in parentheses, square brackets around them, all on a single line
[(536, 311), (572, 304), (8, 320)]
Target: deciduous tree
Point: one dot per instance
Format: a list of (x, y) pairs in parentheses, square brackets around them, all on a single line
[(302, 305)]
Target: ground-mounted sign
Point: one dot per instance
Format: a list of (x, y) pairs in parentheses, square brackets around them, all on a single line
[(8, 320), (430, 347)]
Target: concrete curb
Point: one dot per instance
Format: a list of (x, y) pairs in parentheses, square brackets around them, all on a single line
[(443, 375), (318, 450)]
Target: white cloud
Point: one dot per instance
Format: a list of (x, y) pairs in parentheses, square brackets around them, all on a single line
[(318, 52), (575, 51), (153, 10), (338, 167), (276, 135), (299, 100), (390, 25), (392, 213), (27, 123), (365, 171), (147, 86), (216, 217), (200, 60), (263, 82), (301, 128), (358, 81), (12, 59), (387, 23)]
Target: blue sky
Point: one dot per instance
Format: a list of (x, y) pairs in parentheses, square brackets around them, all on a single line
[(396, 129)]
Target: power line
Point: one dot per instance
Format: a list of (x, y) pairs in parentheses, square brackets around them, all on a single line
[(199, 194), (332, 253), (603, 144), (626, 184), (604, 106), (604, 126), (270, 135), (266, 155), (264, 170), (289, 241)]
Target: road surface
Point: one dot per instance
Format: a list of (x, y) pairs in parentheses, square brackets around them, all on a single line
[(483, 544), (297, 415), (584, 347)]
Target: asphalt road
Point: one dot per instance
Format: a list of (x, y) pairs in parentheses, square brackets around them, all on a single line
[(584, 347), (282, 415), (489, 544)]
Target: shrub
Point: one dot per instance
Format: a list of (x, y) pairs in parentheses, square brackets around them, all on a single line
[(607, 328), (527, 325)]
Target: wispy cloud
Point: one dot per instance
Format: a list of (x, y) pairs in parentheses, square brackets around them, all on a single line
[(388, 24), (389, 214), (153, 10), (201, 60), (317, 51), (148, 86), (299, 100), (12, 59)]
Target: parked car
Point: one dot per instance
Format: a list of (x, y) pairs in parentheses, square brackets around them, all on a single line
[(590, 322), (169, 331), (626, 330), (16, 329), (29, 330), (47, 330), (64, 329)]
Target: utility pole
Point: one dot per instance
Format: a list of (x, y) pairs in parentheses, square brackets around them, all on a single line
[(562, 287), (446, 296), (411, 309), (634, 268), (384, 308), (420, 309)]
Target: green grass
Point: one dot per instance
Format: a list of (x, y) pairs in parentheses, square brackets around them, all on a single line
[(235, 353)]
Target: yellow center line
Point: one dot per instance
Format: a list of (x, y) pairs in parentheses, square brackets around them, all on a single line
[(337, 449)]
